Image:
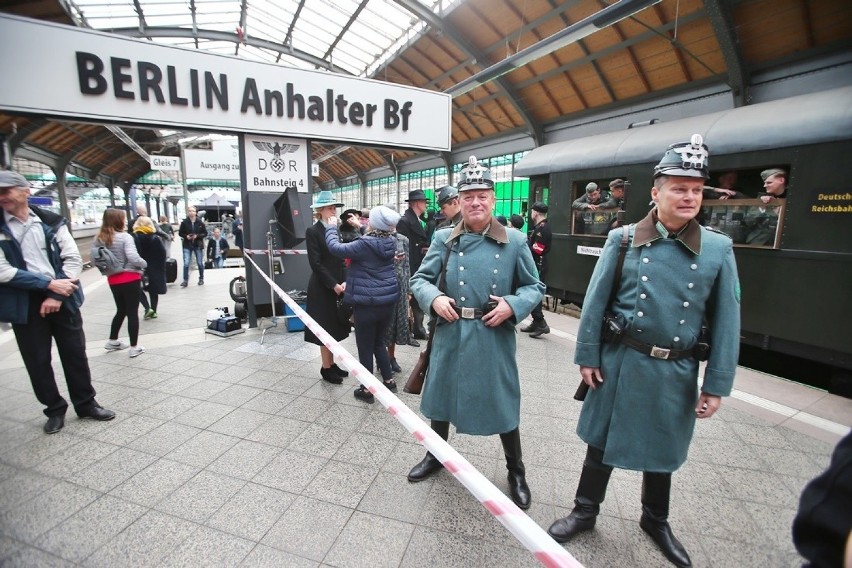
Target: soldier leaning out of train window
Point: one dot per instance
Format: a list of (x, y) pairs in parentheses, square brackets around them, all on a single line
[(593, 199), (725, 188), (774, 184)]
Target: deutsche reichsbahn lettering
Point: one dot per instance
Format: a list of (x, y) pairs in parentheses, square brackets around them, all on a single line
[(150, 83)]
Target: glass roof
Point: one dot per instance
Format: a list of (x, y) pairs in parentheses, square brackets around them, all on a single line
[(357, 36)]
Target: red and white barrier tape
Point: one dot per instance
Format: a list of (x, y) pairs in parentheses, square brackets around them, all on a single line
[(546, 550), (275, 251)]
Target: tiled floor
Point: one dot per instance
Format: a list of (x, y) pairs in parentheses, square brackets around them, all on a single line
[(226, 452)]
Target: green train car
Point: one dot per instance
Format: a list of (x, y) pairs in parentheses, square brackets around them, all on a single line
[(794, 255)]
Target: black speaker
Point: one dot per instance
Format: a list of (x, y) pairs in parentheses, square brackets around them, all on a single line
[(293, 216)]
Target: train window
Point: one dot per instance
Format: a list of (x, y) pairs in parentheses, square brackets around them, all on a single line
[(598, 206), (749, 222), (737, 203)]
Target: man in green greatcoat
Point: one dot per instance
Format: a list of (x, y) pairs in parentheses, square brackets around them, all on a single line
[(640, 412), (491, 284)]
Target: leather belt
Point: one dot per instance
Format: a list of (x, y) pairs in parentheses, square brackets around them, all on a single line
[(468, 313), (654, 351)]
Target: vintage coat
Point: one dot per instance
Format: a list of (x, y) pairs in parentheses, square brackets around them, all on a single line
[(472, 379), (643, 415), (327, 271), (150, 248)]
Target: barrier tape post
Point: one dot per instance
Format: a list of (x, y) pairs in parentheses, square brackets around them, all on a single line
[(546, 550)]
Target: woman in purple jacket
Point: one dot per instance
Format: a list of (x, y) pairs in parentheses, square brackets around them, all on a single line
[(371, 288)]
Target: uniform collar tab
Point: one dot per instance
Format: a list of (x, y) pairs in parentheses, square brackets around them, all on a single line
[(646, 232), (495, 231)]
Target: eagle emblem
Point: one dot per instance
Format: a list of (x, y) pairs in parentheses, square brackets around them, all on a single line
[(276, 164)]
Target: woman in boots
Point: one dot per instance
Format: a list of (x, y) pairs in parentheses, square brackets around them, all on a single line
[(490, 285)]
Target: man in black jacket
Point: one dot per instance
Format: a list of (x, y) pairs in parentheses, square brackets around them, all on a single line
[(412, 226), (192, 234)]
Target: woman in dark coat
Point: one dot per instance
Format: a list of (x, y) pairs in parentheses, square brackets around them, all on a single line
[(327, 282), (371, 288), (151, 248)]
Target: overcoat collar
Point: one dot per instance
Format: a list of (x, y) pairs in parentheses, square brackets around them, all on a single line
[(496, 232), (646, 232)]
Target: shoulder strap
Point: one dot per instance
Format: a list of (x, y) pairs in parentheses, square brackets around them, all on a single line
[(433, 320), (622, 251)]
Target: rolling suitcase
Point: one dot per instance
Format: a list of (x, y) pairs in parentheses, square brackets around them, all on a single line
[(171, 270)]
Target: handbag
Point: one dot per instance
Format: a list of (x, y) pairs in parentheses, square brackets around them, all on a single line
[(344, 310), (414, 384), (146, 281)]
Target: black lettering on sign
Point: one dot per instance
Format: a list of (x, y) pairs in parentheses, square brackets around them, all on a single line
[(90, 74)]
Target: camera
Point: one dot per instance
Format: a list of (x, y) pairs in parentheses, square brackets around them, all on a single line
[(612, 329)]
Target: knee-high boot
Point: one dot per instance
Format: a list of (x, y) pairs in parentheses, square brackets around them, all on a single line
[(430, 464), (518, 488), (656, 491), (591, 492)]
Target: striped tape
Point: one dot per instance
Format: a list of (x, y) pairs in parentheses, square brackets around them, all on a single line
[(546, 550)]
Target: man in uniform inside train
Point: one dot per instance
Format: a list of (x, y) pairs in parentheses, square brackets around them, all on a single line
[(591, 200), (640, 353), (774, 184)]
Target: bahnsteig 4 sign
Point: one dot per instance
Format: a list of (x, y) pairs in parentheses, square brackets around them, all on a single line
[(274, 163)]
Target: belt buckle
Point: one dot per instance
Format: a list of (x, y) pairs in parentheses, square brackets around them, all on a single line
[(660, 352), (468, 313)]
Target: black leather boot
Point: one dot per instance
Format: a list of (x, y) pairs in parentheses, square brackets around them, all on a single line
[(430, 464), (656, 489), (587, 503), (518, 488)]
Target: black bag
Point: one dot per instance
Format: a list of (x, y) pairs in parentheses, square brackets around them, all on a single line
[(146, 281), (344, 310)]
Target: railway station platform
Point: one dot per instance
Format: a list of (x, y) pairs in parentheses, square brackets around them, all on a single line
[(226, 452)]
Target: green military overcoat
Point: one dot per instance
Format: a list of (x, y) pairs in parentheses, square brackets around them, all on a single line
[(472, 379), (643, 415)]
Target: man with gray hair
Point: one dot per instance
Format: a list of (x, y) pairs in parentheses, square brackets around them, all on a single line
[(40, 296)]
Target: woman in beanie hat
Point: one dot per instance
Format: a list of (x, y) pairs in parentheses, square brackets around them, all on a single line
[(371, 288)]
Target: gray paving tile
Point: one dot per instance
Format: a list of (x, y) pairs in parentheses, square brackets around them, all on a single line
[(758, 487), (267, 557), (244, 460), (147, 542), (252, 511), (344, 416), (23, 485), (28, 556), (369, 541), (74, 458), (239, 422), (209, 547), (319, 440), (460, 551), (139, 400), (235, 395), (204, 414), (200, 497), (365, 449), (261, 378), (290, 471), (341, 483), (170, 407), (289, 535), (307, 409), (87, 530), (163, 439), (9, 547), (126, 428), (155, 482), (203, 389), (203, 448), (176, 384), (36, 516), (114, 469), (40, 449), (269, 402), (277, 431), (393, 497), (451, 508)]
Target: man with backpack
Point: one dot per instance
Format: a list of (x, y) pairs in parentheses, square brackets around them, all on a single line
[(41, 297)]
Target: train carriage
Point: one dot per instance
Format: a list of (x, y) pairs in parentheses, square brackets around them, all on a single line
[(794, 255)]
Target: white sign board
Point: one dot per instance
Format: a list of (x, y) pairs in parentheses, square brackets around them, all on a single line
[(221, 162), (589, 251), (165, 163), (90, 75), (274, 163)]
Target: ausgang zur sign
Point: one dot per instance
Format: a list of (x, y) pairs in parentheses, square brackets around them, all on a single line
[(73, 72)]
